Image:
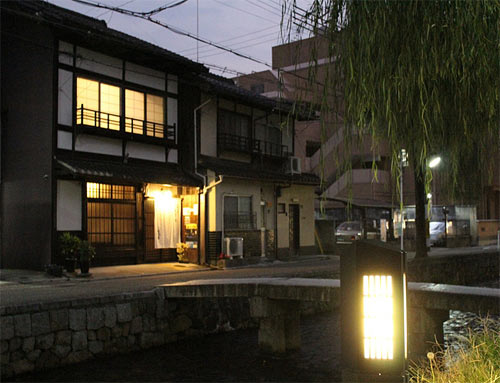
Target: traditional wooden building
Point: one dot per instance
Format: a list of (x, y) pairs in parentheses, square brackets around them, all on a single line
[(99, 140), (94, 126), (257, 201)]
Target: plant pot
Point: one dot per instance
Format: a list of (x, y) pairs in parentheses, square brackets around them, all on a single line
[(84, 267), (70, 264)]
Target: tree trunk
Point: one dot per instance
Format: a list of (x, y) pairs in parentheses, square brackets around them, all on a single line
[(420, 224)]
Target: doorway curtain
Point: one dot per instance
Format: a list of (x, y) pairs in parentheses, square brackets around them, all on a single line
[(167, 223)]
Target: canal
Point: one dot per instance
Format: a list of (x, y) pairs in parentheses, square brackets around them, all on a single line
[(235, 357), (225, 357)]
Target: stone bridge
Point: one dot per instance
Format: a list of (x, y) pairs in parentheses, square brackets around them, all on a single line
[(275, 302)]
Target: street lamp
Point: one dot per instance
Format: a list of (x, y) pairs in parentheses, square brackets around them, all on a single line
[(403, 162), (446, 211), (373, 313), (434, 161)]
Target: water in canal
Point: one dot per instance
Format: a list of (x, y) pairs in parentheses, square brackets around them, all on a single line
[(227, 357), (234, 357)]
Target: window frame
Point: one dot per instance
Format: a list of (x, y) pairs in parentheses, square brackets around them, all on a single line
[(167, 133), (108, 200), (251, 214)]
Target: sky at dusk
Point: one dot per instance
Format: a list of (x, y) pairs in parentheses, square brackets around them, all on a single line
[(250, 27)]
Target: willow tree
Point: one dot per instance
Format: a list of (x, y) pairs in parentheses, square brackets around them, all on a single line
[(424, 75)]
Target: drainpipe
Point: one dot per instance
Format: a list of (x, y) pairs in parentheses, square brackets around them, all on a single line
[(196, 143), (222, 225)]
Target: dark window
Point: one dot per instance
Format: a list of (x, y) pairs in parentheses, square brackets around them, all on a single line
[(234, 123), (238, 213), (233, 131), (312, 147), (268, 140), (281, 208), (257, 88)]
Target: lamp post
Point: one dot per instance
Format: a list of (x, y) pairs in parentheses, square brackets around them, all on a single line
[(445, 213), (373, 313), (403, 162)]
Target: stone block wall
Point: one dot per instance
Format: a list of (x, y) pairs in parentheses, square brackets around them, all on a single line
[(42, 336), (456, 269), (252, 241)]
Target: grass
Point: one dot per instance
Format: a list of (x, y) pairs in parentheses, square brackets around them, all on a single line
[(477, 360)]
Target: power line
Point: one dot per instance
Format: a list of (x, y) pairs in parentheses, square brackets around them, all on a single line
[(173, 29), (246, 46), (238, 45), (121, 5), (185, 51), (265, 9), (279, 9), (244, 11), (187, 34)]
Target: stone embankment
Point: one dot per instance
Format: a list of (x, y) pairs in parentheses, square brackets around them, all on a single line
[(42, 336)]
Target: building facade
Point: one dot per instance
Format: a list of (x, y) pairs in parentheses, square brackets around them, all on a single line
[(253, 191), (99, 140), (92, 131)]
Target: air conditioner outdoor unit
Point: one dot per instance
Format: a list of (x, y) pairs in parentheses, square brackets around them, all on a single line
[(293, 166), (234, 247)]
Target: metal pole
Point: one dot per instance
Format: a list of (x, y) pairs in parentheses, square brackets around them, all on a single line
[(197, 30), (401, 199)]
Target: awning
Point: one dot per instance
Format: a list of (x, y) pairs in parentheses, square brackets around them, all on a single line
[(131, 173)]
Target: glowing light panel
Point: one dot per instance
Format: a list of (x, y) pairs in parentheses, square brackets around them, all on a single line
[(378, 325)]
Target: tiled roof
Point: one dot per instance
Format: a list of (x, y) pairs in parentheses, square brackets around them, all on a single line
[(133, 173), (87, 27), (227, 88), (236, 169)]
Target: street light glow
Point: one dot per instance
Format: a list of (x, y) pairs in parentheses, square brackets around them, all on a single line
[(378, 317), (434, 162)]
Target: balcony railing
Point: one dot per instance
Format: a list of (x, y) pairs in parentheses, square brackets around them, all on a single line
[(271, 149), (109, 121), (227, 141), (233, 142), (243, 221)]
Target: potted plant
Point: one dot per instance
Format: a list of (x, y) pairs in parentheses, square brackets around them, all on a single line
[(87, 253), (69, 245), (182, 252)]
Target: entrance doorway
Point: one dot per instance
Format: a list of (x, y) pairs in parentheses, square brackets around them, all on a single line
[(294, 229)]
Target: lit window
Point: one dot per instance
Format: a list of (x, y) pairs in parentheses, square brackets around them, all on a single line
[(87, 97), (98, 104), (378, 325), (111, 214), (155, 116), (134, 111), (110, 107)]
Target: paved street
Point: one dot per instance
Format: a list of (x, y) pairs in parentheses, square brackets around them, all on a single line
[(18, 287), (25, 287)]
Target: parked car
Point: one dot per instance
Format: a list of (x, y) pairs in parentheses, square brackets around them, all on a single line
[(436, 233), (349, 231)]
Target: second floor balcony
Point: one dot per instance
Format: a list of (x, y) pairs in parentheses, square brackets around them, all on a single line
[(232, 142), (124, 126)]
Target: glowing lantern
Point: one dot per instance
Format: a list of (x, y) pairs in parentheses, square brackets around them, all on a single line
[(373, 313)]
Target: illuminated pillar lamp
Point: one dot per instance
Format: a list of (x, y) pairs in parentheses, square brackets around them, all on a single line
[(373, 313)]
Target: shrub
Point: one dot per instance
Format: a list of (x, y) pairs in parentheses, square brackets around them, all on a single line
[(477, 360)]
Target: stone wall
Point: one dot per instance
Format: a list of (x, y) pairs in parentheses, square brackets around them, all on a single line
[(456, 269), (252, 241), (42, 336)]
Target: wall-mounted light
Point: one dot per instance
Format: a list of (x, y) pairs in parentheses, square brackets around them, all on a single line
[(373, 312)]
